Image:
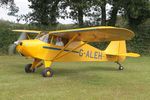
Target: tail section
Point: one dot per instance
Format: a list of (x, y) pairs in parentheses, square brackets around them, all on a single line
[(118, 49)]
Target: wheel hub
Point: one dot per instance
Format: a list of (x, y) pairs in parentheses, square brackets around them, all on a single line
[(48, 73)]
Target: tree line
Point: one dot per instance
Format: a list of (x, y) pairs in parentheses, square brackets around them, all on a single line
[(85, 12)]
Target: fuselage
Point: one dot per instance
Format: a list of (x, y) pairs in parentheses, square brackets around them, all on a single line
[(46, 51)]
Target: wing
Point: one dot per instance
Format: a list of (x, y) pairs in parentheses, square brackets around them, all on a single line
[(27, 31), (96, 34)]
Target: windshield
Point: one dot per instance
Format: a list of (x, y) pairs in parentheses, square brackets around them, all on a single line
[(44, 38)]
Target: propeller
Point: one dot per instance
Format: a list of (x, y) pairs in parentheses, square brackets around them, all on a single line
[(12, 47)]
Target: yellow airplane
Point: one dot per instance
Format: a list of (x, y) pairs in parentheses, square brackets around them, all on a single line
[(72, 46)]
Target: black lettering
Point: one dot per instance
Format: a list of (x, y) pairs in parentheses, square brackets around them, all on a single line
[(81, 52), (95, 55), (91, 54), (87, 54), (99, 55)]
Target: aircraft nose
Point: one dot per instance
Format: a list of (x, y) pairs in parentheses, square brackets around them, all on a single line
[(22, 49), (26, 47), (19, 46)]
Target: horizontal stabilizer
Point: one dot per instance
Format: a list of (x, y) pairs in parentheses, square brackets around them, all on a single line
[(130, 55), (126, 54)]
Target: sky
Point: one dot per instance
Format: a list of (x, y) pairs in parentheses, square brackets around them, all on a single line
[(24, 9)]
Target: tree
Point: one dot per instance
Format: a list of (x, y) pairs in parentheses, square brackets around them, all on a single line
[(13, 9), (78, 10), (5, 2), (116, 6), (103, 12), (98, 12), (44, 12), (136, 11), (131, 9), (102, 5)]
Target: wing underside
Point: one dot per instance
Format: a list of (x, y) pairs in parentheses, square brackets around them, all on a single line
[(96, 34)]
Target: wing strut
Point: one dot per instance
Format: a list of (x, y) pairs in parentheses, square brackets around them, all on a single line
[(73, 38), (71, 51)]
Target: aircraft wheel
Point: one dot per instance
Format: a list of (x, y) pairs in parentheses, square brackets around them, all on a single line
[(47, 72), (121, 67), (28, 68)]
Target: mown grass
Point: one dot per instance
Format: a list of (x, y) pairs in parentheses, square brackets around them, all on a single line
[(76, 81)]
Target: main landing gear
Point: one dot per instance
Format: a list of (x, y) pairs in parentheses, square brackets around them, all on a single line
[(47, 72), (120, 66), (29, 69)]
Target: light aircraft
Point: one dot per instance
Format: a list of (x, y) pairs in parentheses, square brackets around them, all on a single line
[(72, 46)]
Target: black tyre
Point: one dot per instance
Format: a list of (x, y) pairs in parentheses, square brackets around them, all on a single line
[(121, 67), (47, 72), (28, 68)]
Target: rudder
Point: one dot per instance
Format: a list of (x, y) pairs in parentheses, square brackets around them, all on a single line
[(115, 48), (118, 49)]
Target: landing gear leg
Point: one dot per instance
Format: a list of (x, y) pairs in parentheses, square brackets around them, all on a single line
[(47, 72), (120, 66), (28, 68)]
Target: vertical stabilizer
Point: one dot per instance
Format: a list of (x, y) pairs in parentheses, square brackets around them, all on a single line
[(116, 48)]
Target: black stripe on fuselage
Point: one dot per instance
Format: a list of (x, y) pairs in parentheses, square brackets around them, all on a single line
[(47, 47)]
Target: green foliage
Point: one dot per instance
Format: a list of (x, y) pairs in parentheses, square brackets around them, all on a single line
[(87, 12), (141, 41), (78, 10), (44, 12), (6, 36), (100, 45), (136, 11)]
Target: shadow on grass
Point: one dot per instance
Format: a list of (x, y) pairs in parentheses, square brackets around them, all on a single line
[(64, 71)]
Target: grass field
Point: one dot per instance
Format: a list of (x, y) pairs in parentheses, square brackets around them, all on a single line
[(76, 81)]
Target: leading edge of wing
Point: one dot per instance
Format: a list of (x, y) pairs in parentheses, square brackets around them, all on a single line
[(27, 31), (79, 29)]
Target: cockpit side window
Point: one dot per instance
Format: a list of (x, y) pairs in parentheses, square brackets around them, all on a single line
[(59, 41), (52, 39), (55, 40)]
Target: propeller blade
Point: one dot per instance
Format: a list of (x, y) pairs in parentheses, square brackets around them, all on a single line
[(11, 49), (23, 36)]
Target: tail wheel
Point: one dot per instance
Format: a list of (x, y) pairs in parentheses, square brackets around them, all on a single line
[(121, 67), (47, 72), (28, 68)]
